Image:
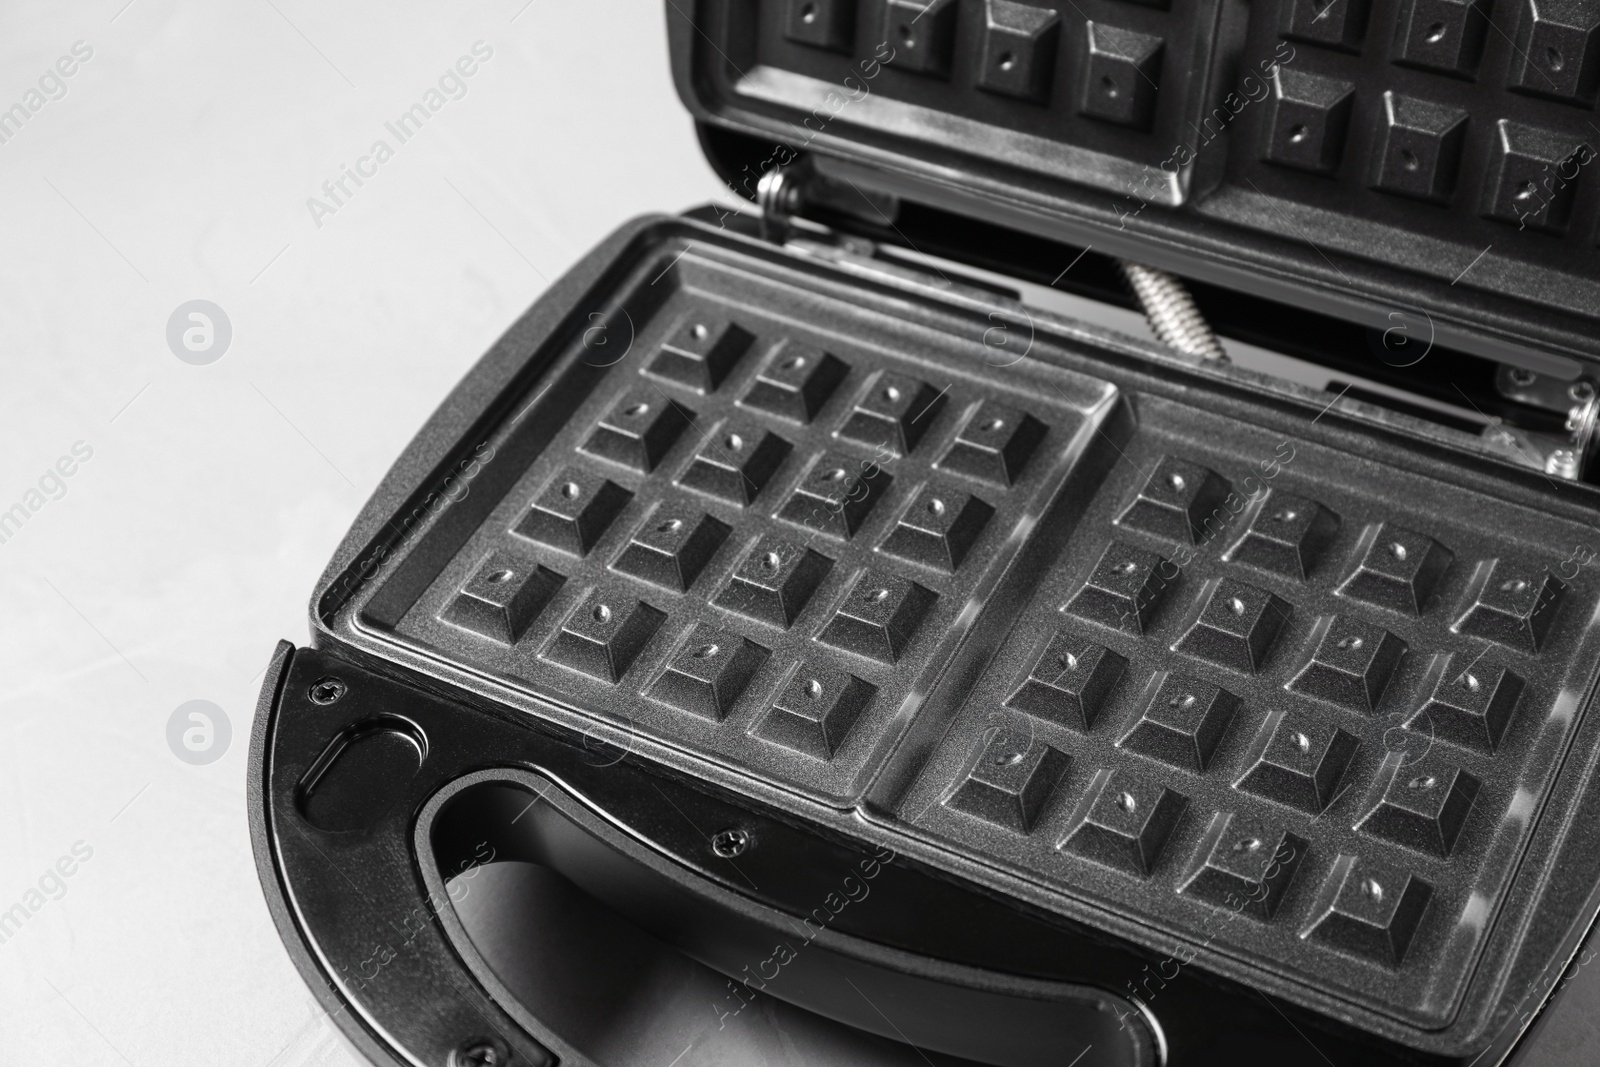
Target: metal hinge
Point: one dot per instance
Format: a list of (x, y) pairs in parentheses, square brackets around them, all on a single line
[(801, 190), (1562, 455)]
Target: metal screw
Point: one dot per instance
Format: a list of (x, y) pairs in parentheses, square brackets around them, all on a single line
[(327, 690), (1522, 376), (480, 1054), (1581, 391), (730, 843), (1563, 463)]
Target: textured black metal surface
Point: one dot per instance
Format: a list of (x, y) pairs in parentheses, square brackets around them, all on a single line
[(1301, 684), (1284, 690), (1354, 154), (768, 565)]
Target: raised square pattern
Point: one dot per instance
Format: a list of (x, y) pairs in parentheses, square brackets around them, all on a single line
[(503, 596), (672, 546), (1471, 705), (893, 415), (573, 511), (1236, 627), (604, 634), (701, 353), (879, 617), (736, 462), (1351, 664), (1009, 785), (1515, 606), (1183, 723), (1424, 806), (1309, 115), (1121, 75), (1070, 682), (1374, 910), (709, 672), (1533, 176), (1399, 569), (1288, 536), (815, 711), (775, 581), (796, 382), (1124, 589), (994, 445), (938, 529), (1302, 764), (1337, 24), (1556, 53), (1019, 49), (829, 24), (1444, 36), (1249, 865), (639, 429), (1418, 152), (1179, 502), (836, 495), (1128, 823), (922, 33)]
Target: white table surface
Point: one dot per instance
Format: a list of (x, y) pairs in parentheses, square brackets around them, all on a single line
[(177, 166)]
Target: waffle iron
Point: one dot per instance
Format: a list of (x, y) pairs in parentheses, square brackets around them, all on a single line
[(792, 584)]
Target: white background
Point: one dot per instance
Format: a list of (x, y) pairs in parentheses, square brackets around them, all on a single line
[(177, 166)]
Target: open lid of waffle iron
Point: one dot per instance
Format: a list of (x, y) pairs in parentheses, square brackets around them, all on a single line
[(1358, 158)]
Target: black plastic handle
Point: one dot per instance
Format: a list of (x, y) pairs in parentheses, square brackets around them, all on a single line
[(368, 796)]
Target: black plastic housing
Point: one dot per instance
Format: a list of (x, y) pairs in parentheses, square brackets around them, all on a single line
[(1130, 448)]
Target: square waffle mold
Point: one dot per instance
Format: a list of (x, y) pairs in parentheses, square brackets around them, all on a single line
[(1253, 698), (1366, 157), (1157, 652), (758, 540)]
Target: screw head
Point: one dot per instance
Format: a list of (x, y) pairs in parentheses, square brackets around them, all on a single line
[(327, 690), (1522, 376), (730, 842), (1562, 462), (480, 1054), (1581, 391)]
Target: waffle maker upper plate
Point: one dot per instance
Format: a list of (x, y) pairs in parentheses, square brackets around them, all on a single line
[(1361, 157)]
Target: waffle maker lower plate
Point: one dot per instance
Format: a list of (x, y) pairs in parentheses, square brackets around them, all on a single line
[(1152, 689)]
